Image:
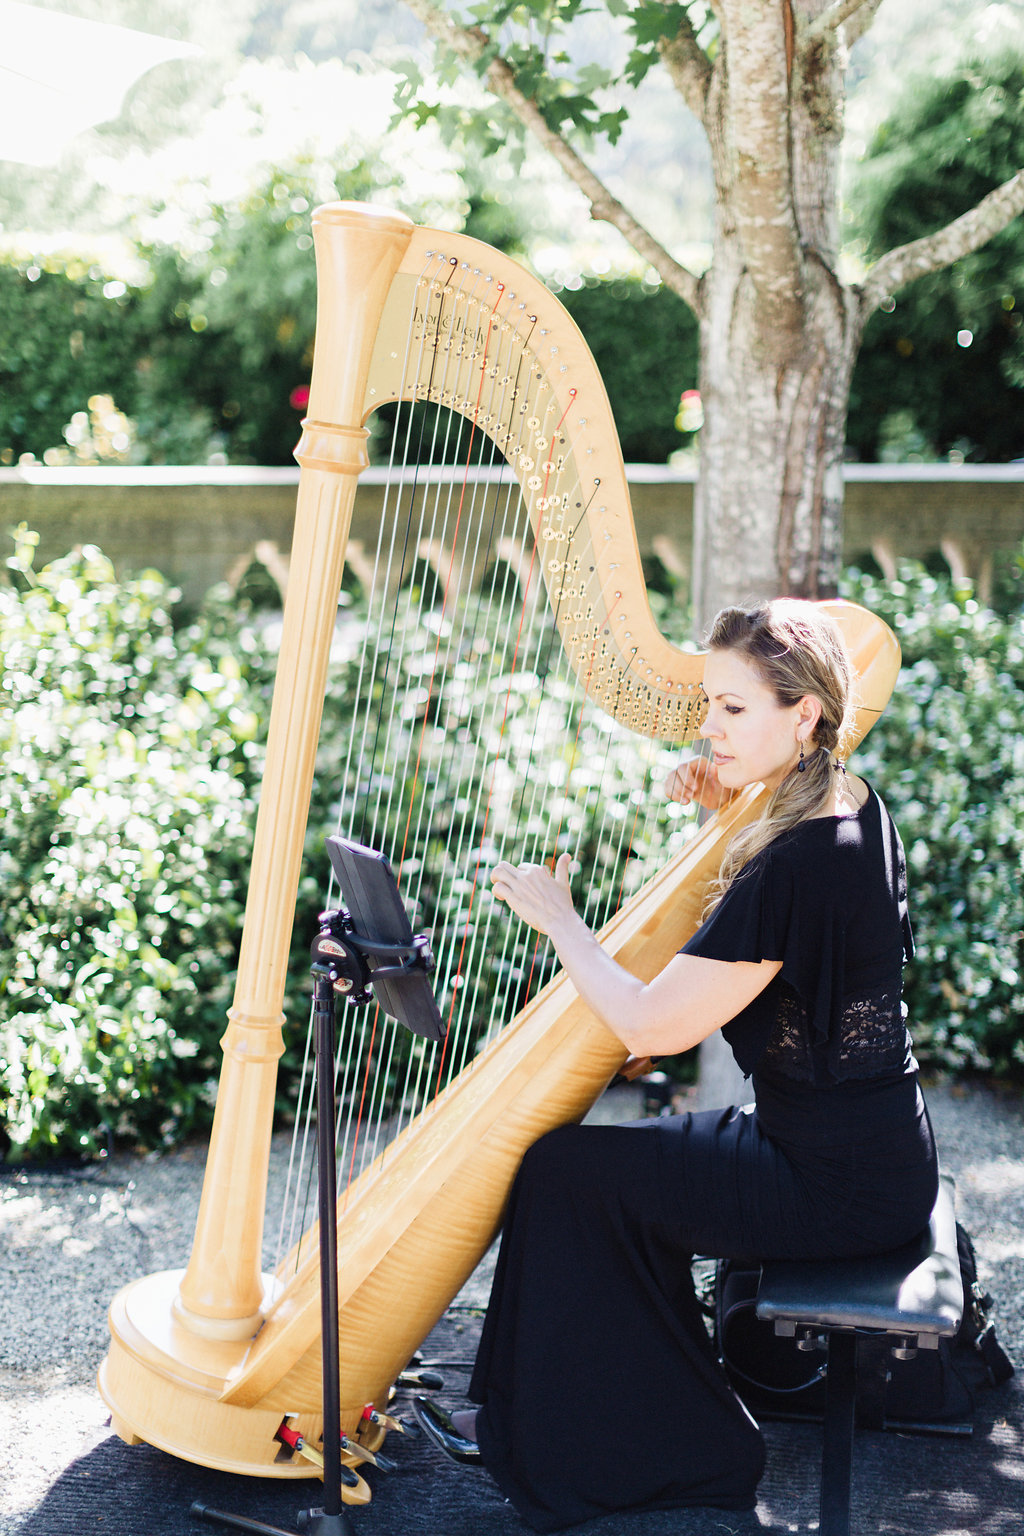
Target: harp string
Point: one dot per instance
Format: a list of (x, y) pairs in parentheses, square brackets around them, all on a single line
[(472, 521), (302, 1144), (419, 457)]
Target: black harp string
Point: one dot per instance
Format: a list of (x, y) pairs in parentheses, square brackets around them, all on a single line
[(362, 770), (536, 662), (300, 1171)]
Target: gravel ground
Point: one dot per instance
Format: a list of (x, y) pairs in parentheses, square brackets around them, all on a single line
[(70, 1239)]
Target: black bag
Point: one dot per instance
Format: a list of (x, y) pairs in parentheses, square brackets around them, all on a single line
[(775, 1379)]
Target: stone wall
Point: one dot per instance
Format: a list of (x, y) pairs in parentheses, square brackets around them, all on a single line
[(200, 526)]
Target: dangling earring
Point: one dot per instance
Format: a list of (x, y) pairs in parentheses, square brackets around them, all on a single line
[(801, 766)]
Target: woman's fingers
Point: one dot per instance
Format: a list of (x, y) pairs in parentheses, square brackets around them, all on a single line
[(696, 779), (533, 892)]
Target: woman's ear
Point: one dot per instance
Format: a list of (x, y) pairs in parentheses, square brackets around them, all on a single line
[(809, 712)]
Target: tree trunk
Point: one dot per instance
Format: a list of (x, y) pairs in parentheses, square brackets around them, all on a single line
[(779, 331), (768, 505), (779, 337)]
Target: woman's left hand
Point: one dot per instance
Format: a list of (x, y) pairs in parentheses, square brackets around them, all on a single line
[(539, 897)]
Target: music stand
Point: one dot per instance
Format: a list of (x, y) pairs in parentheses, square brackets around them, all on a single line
[(363, 950)]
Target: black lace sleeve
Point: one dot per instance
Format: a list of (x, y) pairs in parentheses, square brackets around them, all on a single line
[(828, 900)]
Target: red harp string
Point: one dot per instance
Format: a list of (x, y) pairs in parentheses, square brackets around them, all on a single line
[(441, 525)]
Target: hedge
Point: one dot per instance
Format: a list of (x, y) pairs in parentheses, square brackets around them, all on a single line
[(130, 755)]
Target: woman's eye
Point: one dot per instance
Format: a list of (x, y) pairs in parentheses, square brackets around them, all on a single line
[(734, 709)]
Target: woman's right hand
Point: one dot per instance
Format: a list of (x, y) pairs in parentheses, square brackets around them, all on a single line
[(537, 894), (697, 779)]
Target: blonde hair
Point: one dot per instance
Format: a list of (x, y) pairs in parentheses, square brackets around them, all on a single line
[(796, 649)]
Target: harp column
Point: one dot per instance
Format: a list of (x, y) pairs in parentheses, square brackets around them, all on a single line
[(358, 250)]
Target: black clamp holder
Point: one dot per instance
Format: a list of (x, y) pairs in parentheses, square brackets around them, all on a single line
[(345, 955)]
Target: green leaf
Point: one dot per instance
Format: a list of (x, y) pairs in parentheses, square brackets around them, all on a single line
[(651, 21), (594, 77)]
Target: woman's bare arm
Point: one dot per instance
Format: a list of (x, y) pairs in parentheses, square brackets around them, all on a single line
[(688, 1000)]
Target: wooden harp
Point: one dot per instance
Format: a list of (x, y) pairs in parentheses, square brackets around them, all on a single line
[(206, 1362)]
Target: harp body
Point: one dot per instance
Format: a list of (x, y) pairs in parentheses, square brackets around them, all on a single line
[(205, 1362)]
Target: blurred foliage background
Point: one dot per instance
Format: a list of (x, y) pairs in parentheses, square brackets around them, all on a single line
[(130, 760), (941, 372), (131, 756), (165, 264), (157, 296), (947, 756)]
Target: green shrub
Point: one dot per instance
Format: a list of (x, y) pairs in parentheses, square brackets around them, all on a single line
[(645, 344), (124, 767), (130, 753), (131, 756), (948, 758), (203, 349), (65, 334)]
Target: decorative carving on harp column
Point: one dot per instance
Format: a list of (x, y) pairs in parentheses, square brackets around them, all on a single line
[(205, 1362)]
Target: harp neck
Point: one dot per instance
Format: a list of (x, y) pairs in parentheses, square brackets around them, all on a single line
[(416, 315)]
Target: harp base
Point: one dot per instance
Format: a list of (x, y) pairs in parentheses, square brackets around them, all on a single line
[(224, 1328), (163, 1385)]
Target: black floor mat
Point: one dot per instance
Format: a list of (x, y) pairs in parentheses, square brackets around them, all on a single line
[(904, 1485)]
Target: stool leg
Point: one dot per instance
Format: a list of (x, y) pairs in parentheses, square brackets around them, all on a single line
[(872, 1379), (840, 1419)]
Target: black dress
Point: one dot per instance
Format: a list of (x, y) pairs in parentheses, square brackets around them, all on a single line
[(599, 1389)]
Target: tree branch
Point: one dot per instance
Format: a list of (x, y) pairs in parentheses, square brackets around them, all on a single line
[(860, 21), (932, 252), (688, 66), (471, 44), (855, 15)]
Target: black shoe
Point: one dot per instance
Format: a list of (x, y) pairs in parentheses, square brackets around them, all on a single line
[(439, 1428)]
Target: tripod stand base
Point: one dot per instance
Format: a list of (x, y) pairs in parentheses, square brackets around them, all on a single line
[(312, 1522), (316, 1523), (237, 1522)]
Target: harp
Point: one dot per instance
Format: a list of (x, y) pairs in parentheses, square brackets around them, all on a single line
[(206, 1362)]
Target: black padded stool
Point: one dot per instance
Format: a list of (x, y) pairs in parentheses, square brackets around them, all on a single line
[(895, 1302)]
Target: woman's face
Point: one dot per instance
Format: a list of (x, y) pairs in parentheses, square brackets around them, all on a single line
[(754, 738)]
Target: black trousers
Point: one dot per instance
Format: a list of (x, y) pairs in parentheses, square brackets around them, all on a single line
[(598, 1385)]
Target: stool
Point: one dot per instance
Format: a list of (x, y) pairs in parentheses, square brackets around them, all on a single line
[(897, 1302)]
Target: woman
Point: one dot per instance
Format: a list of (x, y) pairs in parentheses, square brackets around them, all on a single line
[(597, 1385)]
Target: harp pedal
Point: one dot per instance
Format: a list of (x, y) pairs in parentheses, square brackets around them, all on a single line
[(293, 1443), (416, 1375), (352, 1453), (372, 1430), (373, 1416), (351, 1450)]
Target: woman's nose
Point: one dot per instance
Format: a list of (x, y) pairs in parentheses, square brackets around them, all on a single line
[(708, 727)]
